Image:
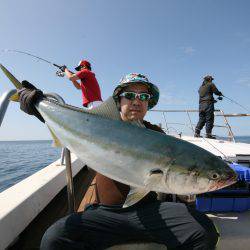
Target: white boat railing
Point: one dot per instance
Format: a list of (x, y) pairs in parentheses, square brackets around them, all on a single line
[(4, 102), (190, 125)]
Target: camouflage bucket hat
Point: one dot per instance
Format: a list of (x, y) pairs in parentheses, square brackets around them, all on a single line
[(134, 78)]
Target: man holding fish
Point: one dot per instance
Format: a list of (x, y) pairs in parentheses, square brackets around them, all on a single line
[(121, 215)]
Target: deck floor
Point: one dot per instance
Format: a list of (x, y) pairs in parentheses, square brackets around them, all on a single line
[(234, 229)]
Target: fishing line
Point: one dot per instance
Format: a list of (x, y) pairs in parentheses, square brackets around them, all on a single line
[(214, 147), (236, 103), (226, 158), (58, 73)]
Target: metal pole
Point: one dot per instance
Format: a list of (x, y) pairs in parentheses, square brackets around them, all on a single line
[(62, 157), (165, 122), (190, 121), (65, 155), (230, 132), (70, 184), (4, 102)]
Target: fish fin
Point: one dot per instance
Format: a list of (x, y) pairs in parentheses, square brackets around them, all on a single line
[(12, 78), (135, 195), (56, 142), (107, 109), (14, 97), (155, 176)]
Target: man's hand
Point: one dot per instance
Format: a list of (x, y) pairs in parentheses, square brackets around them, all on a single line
[(28, 96)]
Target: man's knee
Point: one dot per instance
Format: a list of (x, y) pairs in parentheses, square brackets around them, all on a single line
[(209, 236), (51, 238), (203, 233), (70, 232)]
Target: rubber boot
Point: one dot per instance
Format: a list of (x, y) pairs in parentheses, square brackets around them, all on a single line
[(197, 134), (210, 136)]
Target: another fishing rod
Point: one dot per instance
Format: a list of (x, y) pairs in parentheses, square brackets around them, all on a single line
[(58, 73), (236, 103)]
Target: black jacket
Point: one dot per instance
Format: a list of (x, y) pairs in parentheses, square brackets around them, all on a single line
[(206, 91)]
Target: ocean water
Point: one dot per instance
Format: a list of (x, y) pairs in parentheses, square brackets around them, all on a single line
[(245, 139), (20, 159)]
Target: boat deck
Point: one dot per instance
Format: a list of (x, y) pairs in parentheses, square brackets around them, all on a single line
[(237, 152), (234, 229)]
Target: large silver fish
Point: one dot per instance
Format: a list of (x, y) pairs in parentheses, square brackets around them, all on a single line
[(139, 157)]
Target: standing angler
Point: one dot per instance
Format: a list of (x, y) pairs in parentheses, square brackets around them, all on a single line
[(206, 106), (91, 93), (107, 222)]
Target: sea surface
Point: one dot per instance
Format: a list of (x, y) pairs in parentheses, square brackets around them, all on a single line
[(20, 159)]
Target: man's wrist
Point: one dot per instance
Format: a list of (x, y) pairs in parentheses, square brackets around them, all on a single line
[(68, 73)]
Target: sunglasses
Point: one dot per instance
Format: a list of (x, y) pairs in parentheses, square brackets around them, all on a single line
[(132, 95)]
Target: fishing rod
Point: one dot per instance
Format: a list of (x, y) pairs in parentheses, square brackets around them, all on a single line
[(236, 103), (58, 73)]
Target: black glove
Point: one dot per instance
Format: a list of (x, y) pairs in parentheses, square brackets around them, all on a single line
[(28, 96), (62, 68)]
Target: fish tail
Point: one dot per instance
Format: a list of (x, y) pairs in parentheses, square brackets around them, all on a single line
[(14, 81)]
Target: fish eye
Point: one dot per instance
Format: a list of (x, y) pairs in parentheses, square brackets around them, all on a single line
[(215, 176)]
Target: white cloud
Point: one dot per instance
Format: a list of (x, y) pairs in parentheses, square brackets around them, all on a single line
[(188, 50), (169, 96), (171, 99), (244, 81)]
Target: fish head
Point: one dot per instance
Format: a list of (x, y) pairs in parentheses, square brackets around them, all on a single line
[(199, 175)]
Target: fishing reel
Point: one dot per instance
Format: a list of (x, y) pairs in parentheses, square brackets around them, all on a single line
[(60, 73)]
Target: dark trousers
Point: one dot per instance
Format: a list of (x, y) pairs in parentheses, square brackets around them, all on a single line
[(99, 227), (206, 116)]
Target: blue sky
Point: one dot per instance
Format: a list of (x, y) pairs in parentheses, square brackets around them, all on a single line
[(175, 43)]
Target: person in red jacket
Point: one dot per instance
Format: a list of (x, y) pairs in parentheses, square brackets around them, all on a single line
[(91, 93)]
